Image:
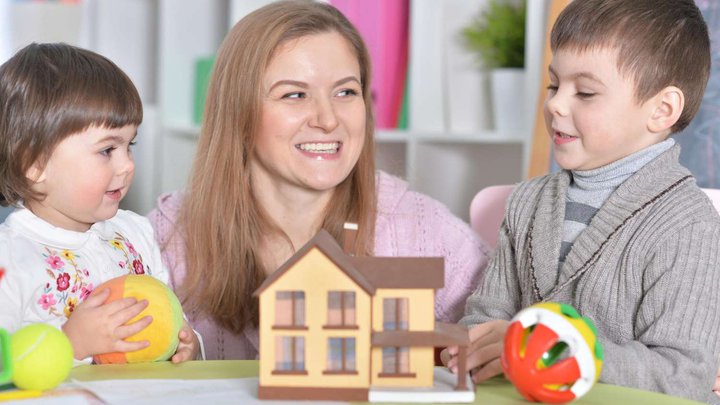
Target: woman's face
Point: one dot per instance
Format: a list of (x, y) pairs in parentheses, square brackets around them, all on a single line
[(312, 127)]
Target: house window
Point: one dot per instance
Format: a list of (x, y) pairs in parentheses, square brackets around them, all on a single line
[(395, 360), (290, 309), (290, 354), (395, 314), (341, 308), (341, 356)]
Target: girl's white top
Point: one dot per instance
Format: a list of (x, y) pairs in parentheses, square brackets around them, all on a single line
[(50, 270)]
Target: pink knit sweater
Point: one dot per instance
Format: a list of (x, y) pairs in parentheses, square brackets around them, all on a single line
[(408, 224)]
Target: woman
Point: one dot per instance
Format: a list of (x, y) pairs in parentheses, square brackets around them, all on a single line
[(287, 149)]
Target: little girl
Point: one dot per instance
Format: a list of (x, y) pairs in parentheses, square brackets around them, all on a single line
[(68, 119)]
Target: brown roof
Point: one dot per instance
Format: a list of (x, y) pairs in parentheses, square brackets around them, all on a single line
[(444, 335), (401, 272), (329, 246)]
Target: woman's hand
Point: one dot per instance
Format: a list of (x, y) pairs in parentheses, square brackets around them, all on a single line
[(189, 345), (483, 355), (98, 328)]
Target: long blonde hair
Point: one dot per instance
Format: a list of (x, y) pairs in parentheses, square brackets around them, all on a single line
[(220, 220)]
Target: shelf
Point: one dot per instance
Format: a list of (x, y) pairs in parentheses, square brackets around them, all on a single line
[(481, 137), (384, 136), (441, 155), (185, 130)]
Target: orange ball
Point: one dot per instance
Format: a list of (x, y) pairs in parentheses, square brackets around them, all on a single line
[(163, 306)]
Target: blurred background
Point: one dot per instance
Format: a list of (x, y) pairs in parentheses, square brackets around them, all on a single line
[(441, 99)]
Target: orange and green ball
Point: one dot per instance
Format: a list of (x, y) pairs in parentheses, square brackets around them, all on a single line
[(551, 353), (166, 312)]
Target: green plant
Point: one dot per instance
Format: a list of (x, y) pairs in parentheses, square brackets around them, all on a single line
[(497, 34)]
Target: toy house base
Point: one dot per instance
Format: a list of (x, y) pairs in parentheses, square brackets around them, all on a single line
[(442, 391), (312, 394)]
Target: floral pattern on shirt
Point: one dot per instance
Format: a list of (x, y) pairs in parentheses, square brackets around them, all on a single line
[(70, 284), (133, 260)]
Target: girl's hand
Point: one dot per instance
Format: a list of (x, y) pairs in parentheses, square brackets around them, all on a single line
[(483, 355), (97, 328), (189, 345)]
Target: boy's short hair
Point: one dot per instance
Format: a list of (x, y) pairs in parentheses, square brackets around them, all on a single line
[(51, 91), (660, 43)]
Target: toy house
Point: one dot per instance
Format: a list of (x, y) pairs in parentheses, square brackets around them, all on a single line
[(337, 326)]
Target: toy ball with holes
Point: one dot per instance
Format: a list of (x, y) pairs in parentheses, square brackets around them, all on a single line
[(551, 353)]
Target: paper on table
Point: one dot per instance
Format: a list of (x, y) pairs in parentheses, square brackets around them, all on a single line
[(69, 400), (180, 392), (67, 395)]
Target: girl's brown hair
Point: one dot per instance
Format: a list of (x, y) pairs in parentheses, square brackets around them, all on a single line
[(220, 220), (47, 93)]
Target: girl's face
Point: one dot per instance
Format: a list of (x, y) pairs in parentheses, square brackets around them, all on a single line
[(312, 127), (87, 175)]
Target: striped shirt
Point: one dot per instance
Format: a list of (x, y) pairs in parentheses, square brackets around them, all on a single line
[(589, 189)]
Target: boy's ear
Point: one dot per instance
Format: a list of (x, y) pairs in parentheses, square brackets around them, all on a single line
[(35, 174), (667, 105)]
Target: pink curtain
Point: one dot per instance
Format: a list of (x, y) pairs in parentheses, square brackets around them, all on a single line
[(384, 27)]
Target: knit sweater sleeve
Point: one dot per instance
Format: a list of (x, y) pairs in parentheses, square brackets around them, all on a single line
[(466, 257), (412, 224), (499, 294), (163, 221), (677, 325)]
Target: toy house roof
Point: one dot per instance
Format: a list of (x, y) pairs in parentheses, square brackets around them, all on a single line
[(329, 246), (401, 272), (370, 273)]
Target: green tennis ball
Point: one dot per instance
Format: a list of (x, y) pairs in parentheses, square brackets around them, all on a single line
[(42, 357)]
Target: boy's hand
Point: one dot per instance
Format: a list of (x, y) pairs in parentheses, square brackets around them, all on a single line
[(97, 328), (483, 355), (189, 345)]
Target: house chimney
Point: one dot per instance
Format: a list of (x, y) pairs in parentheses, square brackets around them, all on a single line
[(350, 236)]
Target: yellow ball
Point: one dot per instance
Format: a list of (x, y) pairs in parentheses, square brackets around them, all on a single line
[(42, 357), (163, 306)]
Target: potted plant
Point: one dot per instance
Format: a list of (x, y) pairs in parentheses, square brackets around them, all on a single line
[(497, 37)]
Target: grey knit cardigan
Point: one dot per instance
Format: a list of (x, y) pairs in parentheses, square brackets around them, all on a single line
[(646, 271)]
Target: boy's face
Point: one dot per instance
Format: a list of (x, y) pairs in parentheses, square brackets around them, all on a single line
[(591, 112), (85, 178)]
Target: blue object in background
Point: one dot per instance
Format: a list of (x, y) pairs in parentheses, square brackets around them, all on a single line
[(4, 212), (700, 141)]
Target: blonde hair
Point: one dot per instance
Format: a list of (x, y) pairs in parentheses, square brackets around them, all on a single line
[(220, 219)]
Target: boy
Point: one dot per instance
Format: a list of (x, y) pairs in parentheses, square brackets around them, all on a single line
[(623, 233)]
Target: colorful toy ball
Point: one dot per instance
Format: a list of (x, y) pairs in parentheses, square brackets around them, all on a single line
[(41, 357), (166, 312), (551, 353)]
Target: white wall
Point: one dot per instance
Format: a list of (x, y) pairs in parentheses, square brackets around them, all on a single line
[(125, 32), (449, 153)]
